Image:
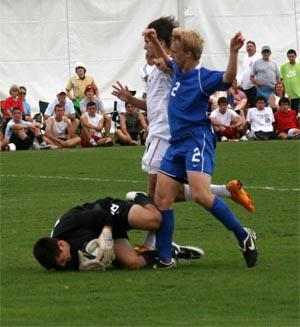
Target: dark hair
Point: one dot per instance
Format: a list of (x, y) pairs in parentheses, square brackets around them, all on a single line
[(222, 100), (90, 104), (164, 27), (58, 105), (15, 108), (292, 51), (284, 100), (23, 88), (260, 98), (251, 42), (45, 251)]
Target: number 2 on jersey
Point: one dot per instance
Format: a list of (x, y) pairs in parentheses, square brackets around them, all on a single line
[(175, 88)]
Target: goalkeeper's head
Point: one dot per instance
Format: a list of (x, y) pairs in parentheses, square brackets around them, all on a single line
[(52, 253)]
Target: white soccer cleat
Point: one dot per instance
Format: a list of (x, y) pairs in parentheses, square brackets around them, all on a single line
[(132, 195), (186, 252)]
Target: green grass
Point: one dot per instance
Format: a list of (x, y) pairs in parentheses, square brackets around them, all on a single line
[(36, 187)]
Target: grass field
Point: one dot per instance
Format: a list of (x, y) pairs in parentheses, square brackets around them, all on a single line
[(37, 187)]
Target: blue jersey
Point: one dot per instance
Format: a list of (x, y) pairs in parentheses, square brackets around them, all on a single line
[(188, 104)]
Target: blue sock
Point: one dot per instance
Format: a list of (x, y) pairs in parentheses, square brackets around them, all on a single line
[(222, 212), (164, 235)]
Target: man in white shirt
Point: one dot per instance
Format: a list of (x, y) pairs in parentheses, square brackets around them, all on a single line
[(22, 133), (260, 121), (226, 122), (61, 98), (58, 128), (247, 86), (92, 127)]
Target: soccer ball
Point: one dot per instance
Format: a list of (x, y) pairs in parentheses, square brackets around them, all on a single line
[(11, 147)]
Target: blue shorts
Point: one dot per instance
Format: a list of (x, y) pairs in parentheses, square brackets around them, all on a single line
[(195, 153)]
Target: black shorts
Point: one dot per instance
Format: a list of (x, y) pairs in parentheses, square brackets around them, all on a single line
[(119, 209), (22, 144)]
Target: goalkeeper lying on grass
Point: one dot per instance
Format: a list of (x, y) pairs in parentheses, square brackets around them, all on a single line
[(94, 235)]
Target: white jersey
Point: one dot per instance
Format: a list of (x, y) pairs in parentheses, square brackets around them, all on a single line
[(60, 128), (260, 120), (225, 118), (158, 92)]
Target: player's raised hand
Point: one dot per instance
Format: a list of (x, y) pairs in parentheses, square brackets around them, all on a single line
[(121, 91), (237, 42), (150, 33)]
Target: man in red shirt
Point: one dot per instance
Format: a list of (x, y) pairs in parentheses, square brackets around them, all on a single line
[(286, 121)]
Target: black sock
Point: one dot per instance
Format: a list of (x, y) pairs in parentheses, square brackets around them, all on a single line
[(150, 257)]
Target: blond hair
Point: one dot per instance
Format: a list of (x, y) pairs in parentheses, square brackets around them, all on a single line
[(190, 40), (14, 87)]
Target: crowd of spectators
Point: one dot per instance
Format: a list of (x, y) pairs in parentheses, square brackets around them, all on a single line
[(263, 104), (267, 101)]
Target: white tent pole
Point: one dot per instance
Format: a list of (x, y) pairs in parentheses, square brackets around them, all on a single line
[(180, 13), (296, 25), (68, 36)]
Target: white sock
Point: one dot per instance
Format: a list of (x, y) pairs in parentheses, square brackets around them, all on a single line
[(220, 190), (150, 240), (187, 192)]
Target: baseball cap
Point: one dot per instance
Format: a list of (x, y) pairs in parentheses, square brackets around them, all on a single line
[(265, 48), (61, 91), (80, 64)]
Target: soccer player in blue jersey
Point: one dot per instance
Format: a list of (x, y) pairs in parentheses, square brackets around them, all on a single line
[(190, 157)]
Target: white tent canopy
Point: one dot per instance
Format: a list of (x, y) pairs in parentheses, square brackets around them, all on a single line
[(42, 40)]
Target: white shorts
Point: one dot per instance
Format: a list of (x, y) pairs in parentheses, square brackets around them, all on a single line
[(153, 155)]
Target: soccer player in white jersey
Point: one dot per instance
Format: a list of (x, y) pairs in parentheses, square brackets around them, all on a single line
[(156, 103), (190, 157)]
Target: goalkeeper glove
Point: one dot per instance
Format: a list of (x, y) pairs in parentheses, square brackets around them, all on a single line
[(89, 262), (106, 247)]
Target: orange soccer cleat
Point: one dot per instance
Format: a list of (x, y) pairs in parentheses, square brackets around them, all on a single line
[(239, 195), (141, 248)]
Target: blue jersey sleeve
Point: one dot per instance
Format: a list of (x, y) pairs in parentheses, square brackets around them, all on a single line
[(212, 81)]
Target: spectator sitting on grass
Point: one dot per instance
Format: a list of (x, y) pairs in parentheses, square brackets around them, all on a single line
[(90, 96), (226, 122), (61, 98), (58, 127), (22, 133), (260, 121), (286, 121), (92, 128), (132, 124)]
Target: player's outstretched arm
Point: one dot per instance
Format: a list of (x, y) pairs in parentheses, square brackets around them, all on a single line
[(235, 44)]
